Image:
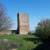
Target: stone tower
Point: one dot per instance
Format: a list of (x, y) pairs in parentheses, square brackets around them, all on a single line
[(23, 23)]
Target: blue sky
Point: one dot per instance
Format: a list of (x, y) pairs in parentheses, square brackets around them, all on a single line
[(37, 10)]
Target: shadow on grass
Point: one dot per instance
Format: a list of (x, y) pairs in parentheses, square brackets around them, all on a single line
[(44, 46), (29, 39), (34, 40)]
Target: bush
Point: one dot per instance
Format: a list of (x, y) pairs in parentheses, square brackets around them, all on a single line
[(43, 29)]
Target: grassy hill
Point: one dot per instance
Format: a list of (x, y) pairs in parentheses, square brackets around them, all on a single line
[(21, 40)]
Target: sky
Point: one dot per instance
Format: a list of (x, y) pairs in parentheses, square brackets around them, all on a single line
[(37, 10)]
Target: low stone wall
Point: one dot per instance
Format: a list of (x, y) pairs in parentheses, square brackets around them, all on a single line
[(5, 32)]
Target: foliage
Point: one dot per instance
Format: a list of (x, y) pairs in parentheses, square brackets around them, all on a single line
[(30, 33), (43, 29)]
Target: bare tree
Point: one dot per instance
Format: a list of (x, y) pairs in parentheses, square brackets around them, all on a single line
[(5, 22)]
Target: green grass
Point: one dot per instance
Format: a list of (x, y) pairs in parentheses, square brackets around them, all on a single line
[(25, 45)]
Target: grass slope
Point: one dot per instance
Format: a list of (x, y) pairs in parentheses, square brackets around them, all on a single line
[(25, 45)]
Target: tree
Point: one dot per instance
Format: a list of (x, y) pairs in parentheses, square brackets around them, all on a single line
[(5, 22), (43, 30)]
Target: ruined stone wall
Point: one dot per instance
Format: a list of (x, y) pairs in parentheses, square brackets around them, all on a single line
[(5, 32)]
